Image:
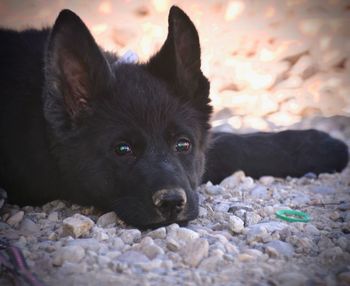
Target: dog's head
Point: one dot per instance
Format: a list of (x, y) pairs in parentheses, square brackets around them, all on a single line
[(128, 137)]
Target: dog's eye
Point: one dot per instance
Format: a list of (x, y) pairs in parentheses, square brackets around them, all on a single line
[(183, 145), (123, 149)]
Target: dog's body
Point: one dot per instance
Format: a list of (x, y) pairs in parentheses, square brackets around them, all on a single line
[(127, 137)]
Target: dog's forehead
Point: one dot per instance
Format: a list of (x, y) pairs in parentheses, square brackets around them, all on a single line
[(135, 81), (139, 96)]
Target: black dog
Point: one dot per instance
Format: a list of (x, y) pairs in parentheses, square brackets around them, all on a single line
[(127, 137)]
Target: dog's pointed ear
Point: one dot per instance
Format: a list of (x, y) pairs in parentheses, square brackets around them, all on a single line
[(179, 60), (74, 65)]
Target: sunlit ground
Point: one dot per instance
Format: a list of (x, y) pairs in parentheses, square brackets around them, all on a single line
[(270, 63)]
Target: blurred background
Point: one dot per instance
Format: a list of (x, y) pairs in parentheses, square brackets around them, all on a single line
[(271, 63)]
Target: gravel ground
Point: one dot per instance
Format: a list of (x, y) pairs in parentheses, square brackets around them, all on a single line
[(237, 239), (277, 63)]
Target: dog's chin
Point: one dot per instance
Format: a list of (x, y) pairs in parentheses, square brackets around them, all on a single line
[(155, 221), (137, 213), (160, 224)]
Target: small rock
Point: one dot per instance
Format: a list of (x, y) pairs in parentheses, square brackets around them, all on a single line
[(231, 248), (248, 183), (69, 268), (53, 216), (186, 235), (211, 263), (86, 243), (344, 277), (15, 219), (213, 189), (235, 224), (151, 265), (195, 251), (72, 253), (240, 206), (332, 254), (323, 190), (146, 241), (279, 248), (292, 279), (129, 236), (244, 257), (344, 206), (334, 215), (28, 226), (252, 218), (118, 243), (221, 207), (233, 181), (100, 234), (152, 251), (311, 229), (259, 192), (267, 180), (172, 245), (172, 228), (300, 199), (77, 225), (107, 219), (158, 233), (133, 257)]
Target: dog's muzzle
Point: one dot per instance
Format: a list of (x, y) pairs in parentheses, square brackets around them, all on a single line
[(170, 202)]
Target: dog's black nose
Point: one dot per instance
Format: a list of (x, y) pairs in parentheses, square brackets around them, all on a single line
[(170, 202)]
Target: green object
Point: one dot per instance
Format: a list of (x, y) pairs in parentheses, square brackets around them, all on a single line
[(293, 215)]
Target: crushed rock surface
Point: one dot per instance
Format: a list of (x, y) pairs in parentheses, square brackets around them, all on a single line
[(236, 240)]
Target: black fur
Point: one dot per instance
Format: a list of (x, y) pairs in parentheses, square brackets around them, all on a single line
[(65, 106)]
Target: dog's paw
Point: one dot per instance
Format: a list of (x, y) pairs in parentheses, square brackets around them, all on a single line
[(3, 197)]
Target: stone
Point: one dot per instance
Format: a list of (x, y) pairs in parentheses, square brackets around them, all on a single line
[(244, 257), (267, 180), (261, 232), (118, 243), (233, 181), (158, 233), (221, 207), (152, 251), (86, 243), (292, 279), (211, 263), (304, 67), (195, 251), (99, 233), (259, 192), (311, 229), (69, 268), (15, 219), (236, 225), (252, 218), (154, 264), (323, 190), (53, 216), (77, 225), (107, 219), (279, 248), (28, 226), (133, 257), (129, 236), (332, 255), (235, 206), (172, 244), (344, 278), (186, 235), (71, 253), (213, 189)]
